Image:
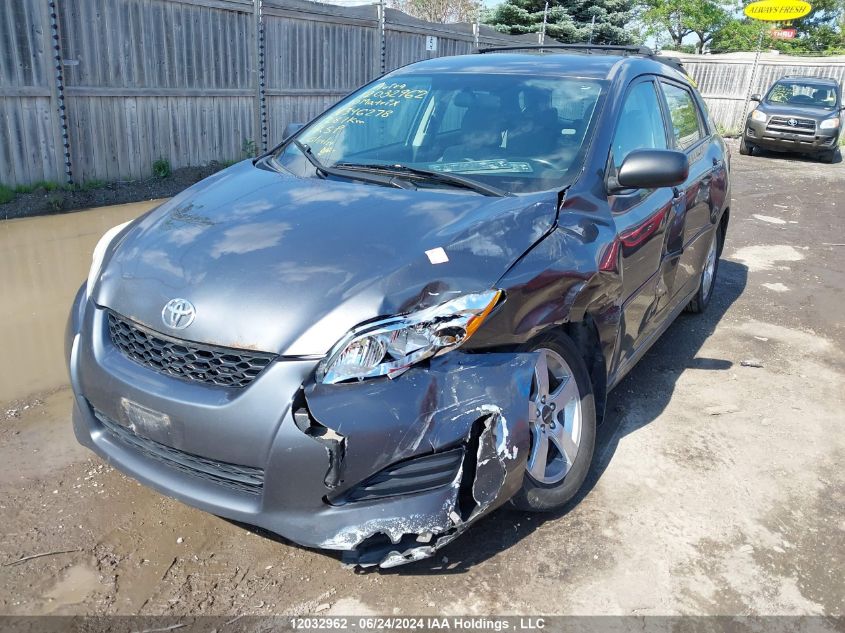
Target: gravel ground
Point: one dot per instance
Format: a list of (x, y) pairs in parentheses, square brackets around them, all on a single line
[(717, 486), (44, 202)]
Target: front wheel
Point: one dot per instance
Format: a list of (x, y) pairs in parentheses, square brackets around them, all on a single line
[(746, 149), (829, 156), (562, 420)]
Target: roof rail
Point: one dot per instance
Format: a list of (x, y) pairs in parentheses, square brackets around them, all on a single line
[(584, 48), (601, 49)]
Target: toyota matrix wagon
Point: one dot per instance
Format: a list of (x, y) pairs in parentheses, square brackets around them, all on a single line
[(411, 311)]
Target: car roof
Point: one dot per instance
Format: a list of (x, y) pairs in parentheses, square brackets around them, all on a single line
[(585, 65)]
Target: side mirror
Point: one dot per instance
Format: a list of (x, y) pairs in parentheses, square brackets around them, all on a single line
[(756, 97), (652, 168), (291, 129)]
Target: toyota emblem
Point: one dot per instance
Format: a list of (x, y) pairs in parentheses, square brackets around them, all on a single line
[(792, 122), (178, 314)]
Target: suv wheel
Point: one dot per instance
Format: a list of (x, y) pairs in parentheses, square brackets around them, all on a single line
[(562, 419), (829, 156), (745, 149)]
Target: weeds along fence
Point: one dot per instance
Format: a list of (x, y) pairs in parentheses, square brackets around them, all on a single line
[(100, 89), (725, 81)]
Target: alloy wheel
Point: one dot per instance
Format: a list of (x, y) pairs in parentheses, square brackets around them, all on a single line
[(554, 417)]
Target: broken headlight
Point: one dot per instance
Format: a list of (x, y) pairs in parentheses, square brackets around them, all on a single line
[(389, 347)]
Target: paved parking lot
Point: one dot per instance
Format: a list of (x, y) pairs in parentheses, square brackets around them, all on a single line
[(717, 487)]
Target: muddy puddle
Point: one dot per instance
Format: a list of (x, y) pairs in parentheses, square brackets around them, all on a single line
[(44, 260), (75, 585)]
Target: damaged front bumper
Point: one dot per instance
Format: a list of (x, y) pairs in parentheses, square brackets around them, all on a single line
[(387, 471)]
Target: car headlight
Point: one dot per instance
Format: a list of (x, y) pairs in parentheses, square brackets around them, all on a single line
[(99, 253), (758, 116), (829, 124), (389, 347)]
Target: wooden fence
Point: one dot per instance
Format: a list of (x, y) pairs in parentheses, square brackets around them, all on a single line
[(725, 81), (100, 89)]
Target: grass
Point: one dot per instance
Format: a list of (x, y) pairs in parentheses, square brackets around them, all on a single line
[(248, 148), (7, 194), (90, 185), (47, 185), (727, 132), (161, 168)]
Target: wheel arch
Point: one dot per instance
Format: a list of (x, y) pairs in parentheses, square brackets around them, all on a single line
[(723, 228), (584, 333)]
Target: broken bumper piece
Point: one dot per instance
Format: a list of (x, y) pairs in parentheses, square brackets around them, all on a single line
[(447, 443), (386, 471)]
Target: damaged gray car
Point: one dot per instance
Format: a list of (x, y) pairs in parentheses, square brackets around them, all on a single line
[(412, 310)]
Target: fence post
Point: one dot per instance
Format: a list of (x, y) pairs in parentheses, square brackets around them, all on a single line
[(382, 26), (751, 83), (260, 125), (56, 83)]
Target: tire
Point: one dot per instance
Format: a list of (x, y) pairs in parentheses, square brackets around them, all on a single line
[(829, 156), (562, 478), (745, 148), (702, 298)]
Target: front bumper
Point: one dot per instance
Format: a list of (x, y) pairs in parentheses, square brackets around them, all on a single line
[(758, 135), (306, 448)]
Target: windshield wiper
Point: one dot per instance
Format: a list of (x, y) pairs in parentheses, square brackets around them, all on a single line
[(430, 174), (306, 151), (341, 173)]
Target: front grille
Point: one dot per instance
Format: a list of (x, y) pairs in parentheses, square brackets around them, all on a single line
[(782, 124), (241, 478), (221, 366)]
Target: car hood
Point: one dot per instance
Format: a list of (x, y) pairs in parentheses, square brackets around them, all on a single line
[(809, 112), (288, 265)]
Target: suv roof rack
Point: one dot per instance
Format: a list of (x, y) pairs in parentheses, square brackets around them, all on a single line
[(593, 49)]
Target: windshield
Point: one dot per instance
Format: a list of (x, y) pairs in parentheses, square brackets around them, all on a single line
[(515, 133), (804, 94)]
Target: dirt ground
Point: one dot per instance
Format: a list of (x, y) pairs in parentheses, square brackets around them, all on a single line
[(717, 487)]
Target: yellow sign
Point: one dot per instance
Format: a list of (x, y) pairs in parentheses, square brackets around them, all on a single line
[(778, 10)]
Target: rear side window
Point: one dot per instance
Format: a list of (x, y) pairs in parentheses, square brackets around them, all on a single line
[(686, 125), (640, 124)]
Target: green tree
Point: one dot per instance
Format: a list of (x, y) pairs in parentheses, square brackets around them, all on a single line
[(568, 21), (680, 18), (442, 11), (820, 32), (741, 35)]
